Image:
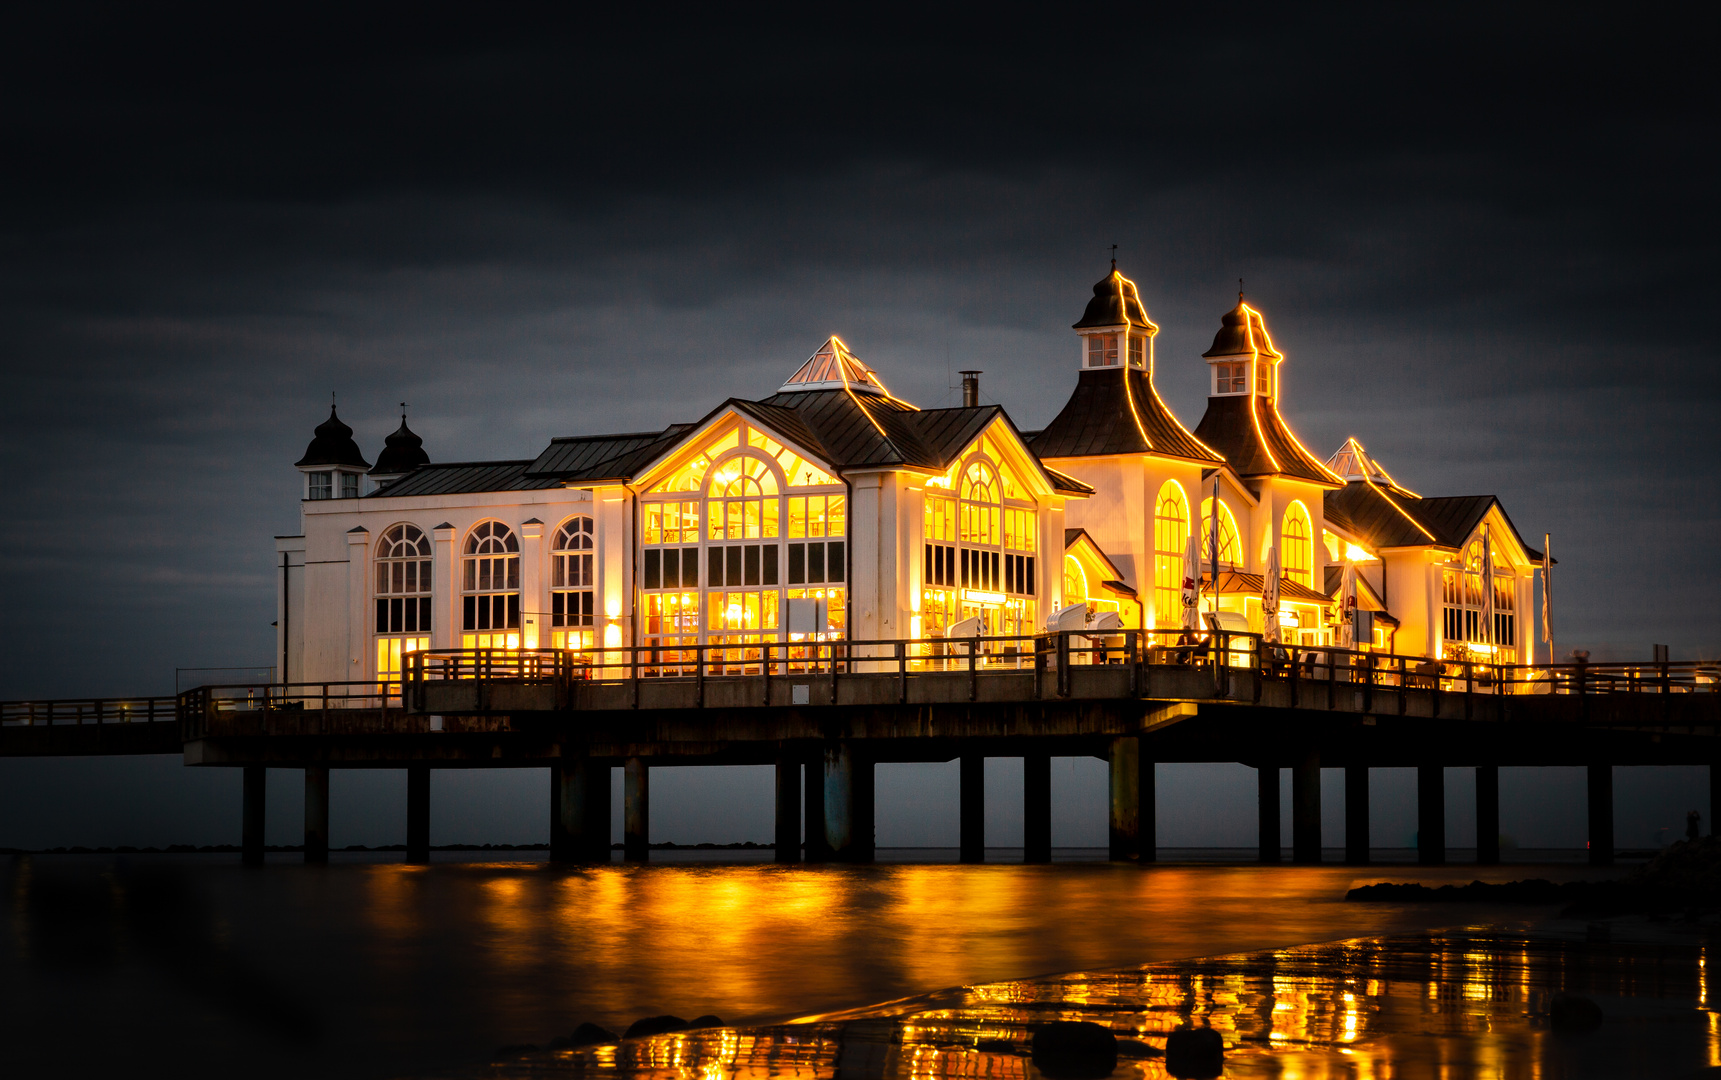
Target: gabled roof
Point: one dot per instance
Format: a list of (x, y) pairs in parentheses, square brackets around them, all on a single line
[(465, 477), (833, 367), (1394, 519), (1116, 411), (1116, 303), (1256, 441)]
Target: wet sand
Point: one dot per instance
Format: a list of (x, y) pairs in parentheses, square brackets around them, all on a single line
[(1456, 1004), (113, 965)]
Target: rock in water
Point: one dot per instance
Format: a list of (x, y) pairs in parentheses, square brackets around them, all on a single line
[(1573, 1012), (1075, 1050), (1195, 1053), (706, 1021), (655, 1025), (585, 1035)]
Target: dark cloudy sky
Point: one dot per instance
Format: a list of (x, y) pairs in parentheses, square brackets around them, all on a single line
[(1484, 237)]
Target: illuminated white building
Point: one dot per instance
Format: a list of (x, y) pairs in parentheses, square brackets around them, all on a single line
[(834, 509)]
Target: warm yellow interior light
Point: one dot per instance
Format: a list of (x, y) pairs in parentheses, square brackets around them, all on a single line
[(1356, 554)]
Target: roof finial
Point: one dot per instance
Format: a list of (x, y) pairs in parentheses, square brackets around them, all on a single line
[(403, 412), (1239, 290), (1114, 258)]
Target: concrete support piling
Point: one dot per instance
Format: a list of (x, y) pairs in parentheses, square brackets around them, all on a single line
[(636, 811), (1147, 811), (848, 804), (1488, 814), (579, 810), (1267, 811), (252, 804), (1126, 802), (1431, 815), (972, 794), (813, 775), (1601, 815), (1356, 815), (1306, 808), (1714, 799), (418, 814), (1037, 807), (788, 838), (316, 813)]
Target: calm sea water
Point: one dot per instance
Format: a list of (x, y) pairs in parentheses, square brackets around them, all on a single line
[(111, 965)]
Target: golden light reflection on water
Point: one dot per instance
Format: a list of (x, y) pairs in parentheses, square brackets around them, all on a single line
[(1459, 1005)]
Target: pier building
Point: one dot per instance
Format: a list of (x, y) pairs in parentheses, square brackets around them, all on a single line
[(833, 508)]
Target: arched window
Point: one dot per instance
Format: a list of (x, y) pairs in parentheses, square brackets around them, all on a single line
[(743, 508), (1464, 590), (490, 584), (1230, 551), (403, 577), (1170, 539), (1297, 546), (572, 619), (1075, 583)]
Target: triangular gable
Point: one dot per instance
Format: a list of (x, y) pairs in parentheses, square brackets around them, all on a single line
[(1098, 571), (733, 411), (1007, 444)]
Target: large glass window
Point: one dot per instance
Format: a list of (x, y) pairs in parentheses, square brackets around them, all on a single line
[(741, 528), (1464, 587), (1102, 350), (1170, 539), (490, 588), (980, 551), (572, 588), (402, 598), (1230, 551), (1297, 546)]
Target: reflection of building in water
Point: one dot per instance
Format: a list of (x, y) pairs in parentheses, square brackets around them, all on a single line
[(1460, 1005), (832, 508)]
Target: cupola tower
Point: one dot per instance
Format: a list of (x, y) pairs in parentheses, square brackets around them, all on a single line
[(402, 452), (1242, 359), (1115, 329), (332, 464)]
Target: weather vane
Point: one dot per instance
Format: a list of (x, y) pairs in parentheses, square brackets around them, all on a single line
[(1114, 256), (1239, 290)]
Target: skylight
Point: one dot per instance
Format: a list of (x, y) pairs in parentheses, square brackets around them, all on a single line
[(832, 368)]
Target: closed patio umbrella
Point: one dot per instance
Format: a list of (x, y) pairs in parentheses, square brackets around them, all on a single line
[(1192, 582), (1270, 597), (1347, 608)]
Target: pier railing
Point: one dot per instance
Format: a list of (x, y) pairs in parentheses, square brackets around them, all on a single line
[(1222, 652), (79, 711), (198, 707)]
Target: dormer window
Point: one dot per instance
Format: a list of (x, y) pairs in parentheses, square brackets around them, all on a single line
[(1137, 350), (349, 485), (322, 485), (1232, 378), (1102, 350)]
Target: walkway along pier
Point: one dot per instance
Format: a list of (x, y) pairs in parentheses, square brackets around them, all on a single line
[(1132, 699)]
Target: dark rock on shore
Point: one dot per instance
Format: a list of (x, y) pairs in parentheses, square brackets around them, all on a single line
[(1197, 1053), (654, 1025), (1075, 1050), (706, 1021), (584, 1035), (1686, 875)]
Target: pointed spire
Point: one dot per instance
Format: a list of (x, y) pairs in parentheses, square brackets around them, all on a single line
[(833, 367)]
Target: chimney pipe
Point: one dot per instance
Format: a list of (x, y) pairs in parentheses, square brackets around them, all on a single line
[(970, 389)]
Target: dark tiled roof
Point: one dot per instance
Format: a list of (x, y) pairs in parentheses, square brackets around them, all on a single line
[(1249, 431), (594, 456), (332, 444), (1115, 411), (1388, 519), (464, 477), (1115, 303)]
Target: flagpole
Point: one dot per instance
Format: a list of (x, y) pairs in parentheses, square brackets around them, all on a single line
[(1213, 543), (1547, 594)]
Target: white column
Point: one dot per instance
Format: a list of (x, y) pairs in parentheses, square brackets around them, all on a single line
[(611, 512), (445, 599), (358, 598), (534, 631)]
